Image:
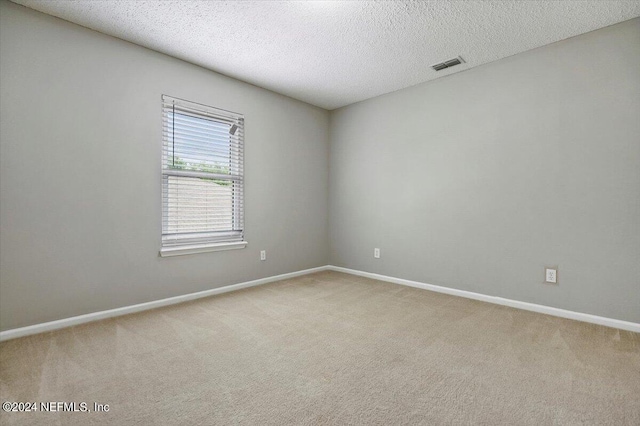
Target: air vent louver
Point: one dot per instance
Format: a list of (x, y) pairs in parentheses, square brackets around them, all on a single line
[(448, 64)]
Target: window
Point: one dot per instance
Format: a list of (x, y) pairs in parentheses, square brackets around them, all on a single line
[(202, 178)]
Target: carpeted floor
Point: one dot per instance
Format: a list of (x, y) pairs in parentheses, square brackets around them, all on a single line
[(329, 348)]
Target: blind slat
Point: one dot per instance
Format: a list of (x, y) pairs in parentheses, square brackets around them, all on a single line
[(201, 175)]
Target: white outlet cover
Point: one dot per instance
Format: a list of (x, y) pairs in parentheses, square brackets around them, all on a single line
[(376, 253), (551, 275)]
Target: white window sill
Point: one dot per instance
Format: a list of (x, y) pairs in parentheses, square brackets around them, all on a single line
[(201, 248)]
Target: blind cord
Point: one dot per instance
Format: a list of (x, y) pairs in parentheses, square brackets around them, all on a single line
[(173, 135)]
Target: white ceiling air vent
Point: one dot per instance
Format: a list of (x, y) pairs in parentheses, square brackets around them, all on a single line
[(448, 64)]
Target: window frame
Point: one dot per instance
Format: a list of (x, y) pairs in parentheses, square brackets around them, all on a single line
[(172, 244)]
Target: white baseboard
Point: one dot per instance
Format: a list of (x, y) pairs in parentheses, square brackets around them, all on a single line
[(95, 316), (594, 319), (81, 319)]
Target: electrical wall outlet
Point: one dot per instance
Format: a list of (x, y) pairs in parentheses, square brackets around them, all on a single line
[(551, 275), (376, 253), (263, 255)]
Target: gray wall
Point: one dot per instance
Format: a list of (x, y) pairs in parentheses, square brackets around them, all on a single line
[(475, 181), (478, 180), (80, 145)]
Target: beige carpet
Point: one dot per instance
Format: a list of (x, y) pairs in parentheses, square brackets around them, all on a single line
[(329, 348)]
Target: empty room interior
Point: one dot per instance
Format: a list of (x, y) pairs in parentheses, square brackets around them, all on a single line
[(319, 212)]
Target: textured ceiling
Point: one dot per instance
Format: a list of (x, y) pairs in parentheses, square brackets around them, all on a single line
[(332, 54)]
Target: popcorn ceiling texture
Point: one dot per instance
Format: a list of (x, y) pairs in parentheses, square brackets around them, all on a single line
[(332, 54)]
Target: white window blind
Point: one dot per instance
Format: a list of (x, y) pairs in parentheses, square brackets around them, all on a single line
[(202, 175)]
